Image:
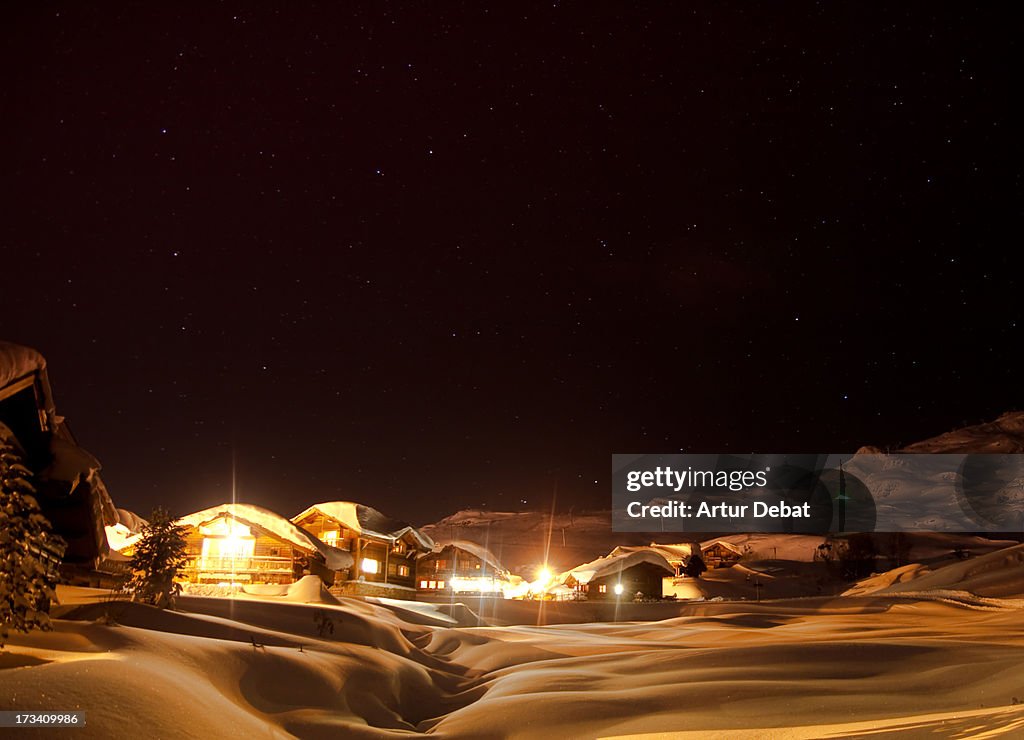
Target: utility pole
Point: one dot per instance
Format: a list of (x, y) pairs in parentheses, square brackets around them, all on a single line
[(841, 499)]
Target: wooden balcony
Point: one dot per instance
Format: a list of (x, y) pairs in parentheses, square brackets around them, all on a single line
[(239, 569)]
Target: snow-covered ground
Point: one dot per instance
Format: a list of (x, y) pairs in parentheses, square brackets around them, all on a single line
[(935, 661)]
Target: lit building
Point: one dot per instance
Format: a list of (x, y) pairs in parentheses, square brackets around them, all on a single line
[(620, 575), (383, 550), (242, 543), (463, 568)]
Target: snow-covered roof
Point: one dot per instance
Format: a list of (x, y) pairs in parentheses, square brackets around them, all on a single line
[(366, 520), (130, 519), (124, 531), (675, 553), (486, 556), (724, 543), (119, 536), (343, 512), (615, 563), (274, 523), (17, 361)]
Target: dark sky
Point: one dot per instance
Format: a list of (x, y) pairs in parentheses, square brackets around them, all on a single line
[(427, 256)]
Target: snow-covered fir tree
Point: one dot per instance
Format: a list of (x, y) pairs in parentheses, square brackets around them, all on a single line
[(157, 561), (29, 551)]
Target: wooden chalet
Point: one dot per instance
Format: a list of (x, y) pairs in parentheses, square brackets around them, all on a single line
[(720, 554), (620, 575), (677, 555), (463, 568), (384, 550)]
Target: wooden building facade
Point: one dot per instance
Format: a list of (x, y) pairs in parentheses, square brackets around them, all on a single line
[(721, 554), (384, 550), (461, 567), (624, 574), (643, 579)]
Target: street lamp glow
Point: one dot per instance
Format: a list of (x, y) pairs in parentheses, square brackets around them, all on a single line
[(619, 588), (544, 574)]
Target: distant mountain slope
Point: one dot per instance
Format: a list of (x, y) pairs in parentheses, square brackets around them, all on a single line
[(1004, 435)]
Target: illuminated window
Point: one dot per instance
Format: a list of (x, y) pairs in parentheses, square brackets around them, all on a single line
[(403, 570), (423, 584), (231, 547), (602, 589), (433, 584), (331, 537), (370, 566), (440, 584)]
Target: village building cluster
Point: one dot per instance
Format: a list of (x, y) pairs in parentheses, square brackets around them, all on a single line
[(356, 550)]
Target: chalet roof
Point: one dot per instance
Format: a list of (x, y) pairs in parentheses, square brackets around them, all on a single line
[(275, 524), (17, 361), (486, 556), (674, 553), (366, 520), (615, 563), (705, 546)]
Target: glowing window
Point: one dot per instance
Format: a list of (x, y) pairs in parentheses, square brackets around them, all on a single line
[(331, 537), (403, 570), (423, 584), (229, 547), (370, 565), (602, 589), (433, 584), (440, 584)]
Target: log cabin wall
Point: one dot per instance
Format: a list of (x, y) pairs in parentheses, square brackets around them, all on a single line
[(377, 559), (402, 562), (441, 567), (273, 560), (317, 524)]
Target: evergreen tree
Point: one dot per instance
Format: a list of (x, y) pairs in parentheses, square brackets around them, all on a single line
[(158, 558), (29, 551), (695, 566)]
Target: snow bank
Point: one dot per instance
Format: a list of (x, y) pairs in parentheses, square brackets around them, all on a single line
[(997, 574), (805, 668), (309, 590)]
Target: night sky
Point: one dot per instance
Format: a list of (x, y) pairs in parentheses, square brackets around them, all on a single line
[(429, 256)]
